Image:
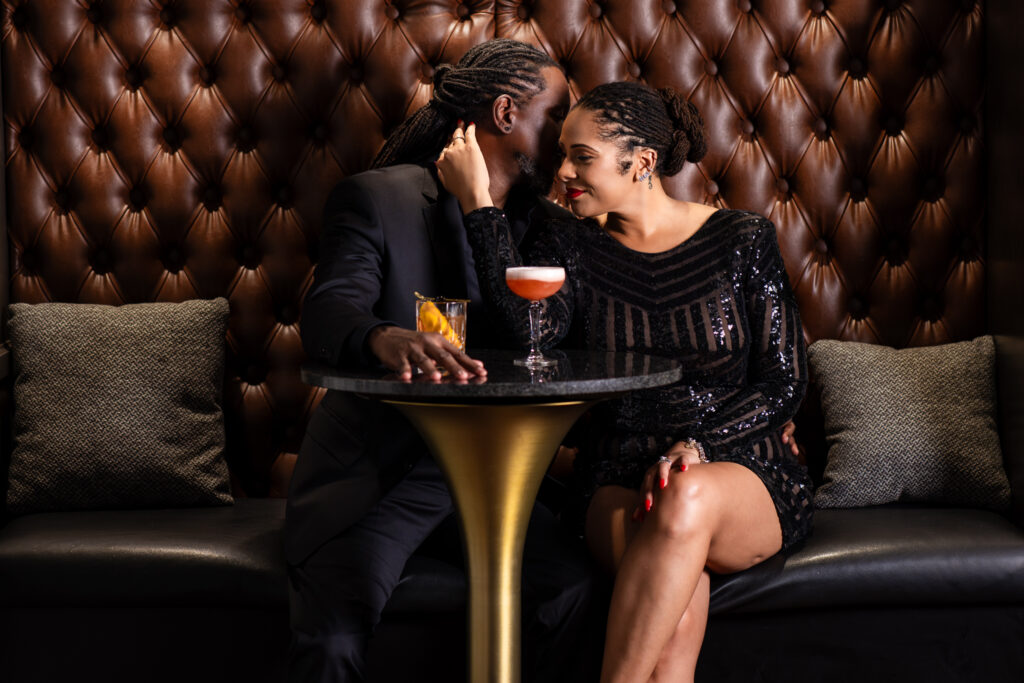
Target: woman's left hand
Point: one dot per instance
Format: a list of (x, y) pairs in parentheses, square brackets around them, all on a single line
[(678, 458), (463, 171)]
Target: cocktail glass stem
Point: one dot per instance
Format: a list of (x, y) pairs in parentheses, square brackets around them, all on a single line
[(535, 359)]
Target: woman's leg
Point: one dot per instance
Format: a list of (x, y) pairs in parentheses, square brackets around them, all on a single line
[(718, 516), (678, 658)]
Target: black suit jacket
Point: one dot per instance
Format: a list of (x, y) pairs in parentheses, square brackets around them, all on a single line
[(387, 233)]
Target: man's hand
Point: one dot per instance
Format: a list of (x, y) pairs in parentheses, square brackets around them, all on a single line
[(463, 171), (401, 350), (787, 437)]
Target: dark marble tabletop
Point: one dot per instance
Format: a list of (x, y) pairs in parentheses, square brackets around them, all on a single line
[(578, 375)]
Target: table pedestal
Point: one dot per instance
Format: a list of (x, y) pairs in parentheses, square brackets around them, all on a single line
[(494, 457)]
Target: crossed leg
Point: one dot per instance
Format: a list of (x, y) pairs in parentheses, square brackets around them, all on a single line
[(716, 517)]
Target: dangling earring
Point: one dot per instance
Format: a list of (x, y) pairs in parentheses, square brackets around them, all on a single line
[(646, 175)]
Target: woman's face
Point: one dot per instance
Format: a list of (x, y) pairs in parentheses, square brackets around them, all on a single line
[(592, 167)]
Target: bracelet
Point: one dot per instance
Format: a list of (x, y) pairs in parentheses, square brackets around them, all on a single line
[(695, 445)]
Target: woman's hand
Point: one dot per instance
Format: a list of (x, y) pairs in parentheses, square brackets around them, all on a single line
[(678, 458), (463, 171)]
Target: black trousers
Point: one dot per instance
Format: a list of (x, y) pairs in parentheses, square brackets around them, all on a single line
[(338, 593)]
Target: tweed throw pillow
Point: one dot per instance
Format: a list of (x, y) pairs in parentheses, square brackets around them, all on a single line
[(117, 407), (909, 425)]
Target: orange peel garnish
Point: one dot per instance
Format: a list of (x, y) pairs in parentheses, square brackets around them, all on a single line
[(432, 320)]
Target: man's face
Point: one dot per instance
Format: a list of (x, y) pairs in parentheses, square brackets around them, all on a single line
[(534, 141)]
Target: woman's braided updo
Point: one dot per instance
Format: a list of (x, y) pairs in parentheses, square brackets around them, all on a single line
[(637, 115), (466, 90)]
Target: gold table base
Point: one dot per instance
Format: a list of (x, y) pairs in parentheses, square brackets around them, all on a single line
[(494, 457)]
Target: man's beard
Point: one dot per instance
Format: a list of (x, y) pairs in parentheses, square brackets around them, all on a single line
[(535, 177)]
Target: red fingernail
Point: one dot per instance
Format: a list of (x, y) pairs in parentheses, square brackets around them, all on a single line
[(648, 504), (460, 123), (682, 466), (662, 483)]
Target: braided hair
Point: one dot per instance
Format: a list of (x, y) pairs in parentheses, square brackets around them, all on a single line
[(487, 71), (637, 115)]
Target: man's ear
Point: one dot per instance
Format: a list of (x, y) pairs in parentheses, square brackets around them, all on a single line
[(503, 113)]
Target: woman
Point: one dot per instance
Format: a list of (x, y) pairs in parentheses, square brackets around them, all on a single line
[(685, 480)]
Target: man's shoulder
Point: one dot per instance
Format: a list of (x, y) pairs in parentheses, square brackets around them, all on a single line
[(397, 183)]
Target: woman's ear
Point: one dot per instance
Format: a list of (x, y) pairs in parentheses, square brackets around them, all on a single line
[(646, 160), (503, 113)]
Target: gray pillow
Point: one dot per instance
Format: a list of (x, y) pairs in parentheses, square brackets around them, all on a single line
[(117, 406), (909, 425)]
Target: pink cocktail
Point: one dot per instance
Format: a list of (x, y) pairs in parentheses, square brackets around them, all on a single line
[(535, 283)]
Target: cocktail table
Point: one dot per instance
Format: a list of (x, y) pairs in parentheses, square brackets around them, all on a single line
[(494, 439)]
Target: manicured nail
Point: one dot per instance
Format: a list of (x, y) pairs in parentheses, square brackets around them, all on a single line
[(662, 483), (648, 504), (460, 123), (682, 466)]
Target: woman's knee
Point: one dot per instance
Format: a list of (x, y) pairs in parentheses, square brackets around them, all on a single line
[(687, 505)]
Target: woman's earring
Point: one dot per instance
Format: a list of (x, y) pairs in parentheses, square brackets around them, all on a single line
[(646, 175)]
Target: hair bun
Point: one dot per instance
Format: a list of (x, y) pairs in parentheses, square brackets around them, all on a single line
[(441, 72), (688, 141)]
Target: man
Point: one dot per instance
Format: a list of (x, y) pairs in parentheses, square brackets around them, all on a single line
[(365, 492)]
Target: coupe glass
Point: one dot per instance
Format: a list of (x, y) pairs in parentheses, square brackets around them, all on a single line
[(535, 283)]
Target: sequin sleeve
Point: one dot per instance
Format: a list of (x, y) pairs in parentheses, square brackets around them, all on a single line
[(494, 250), (777, 364)]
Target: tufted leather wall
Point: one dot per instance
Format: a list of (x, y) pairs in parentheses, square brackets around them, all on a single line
[(172, 149)]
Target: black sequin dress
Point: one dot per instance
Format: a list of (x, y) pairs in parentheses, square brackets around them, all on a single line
[(720, 303)]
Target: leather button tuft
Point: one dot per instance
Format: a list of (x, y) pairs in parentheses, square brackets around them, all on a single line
[(355, 73), (279, 72), (968, 6), (896, 252), (101, 138), (58, 77), (173, 258), (134, 76), (711, 187), (711, 67), (821, 129), (893, 125), (596, 11), (284, 197), (287, 316), (172, 137), (254, 375), (319, 134), (19, 17), (858, 308), (318, 11), (100, 261), (747, 127), (250, 257), (931, 308), (858, 189), (167, 16), (95, 13), (28, 261), (857, 68), (782, 66), (243, 12), (212, 198), (968, 248), (391, 12), (207, 75), (137, 199), (933, 189), (893, 5), (523, 12), (62, 198), (782, 185), (245, 139), (967, 124), (428, 72), (818, 7), (25, 139), (635, 70), (669, 7), (463, 12), (744, 6), (821, 246)]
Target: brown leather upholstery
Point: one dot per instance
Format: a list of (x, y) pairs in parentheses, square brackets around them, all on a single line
[(173, 149)]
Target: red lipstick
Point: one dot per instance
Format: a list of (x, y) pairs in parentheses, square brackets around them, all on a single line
[(573, 193)]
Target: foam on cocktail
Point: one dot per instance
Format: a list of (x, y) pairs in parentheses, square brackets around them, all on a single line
[(542, 273)]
